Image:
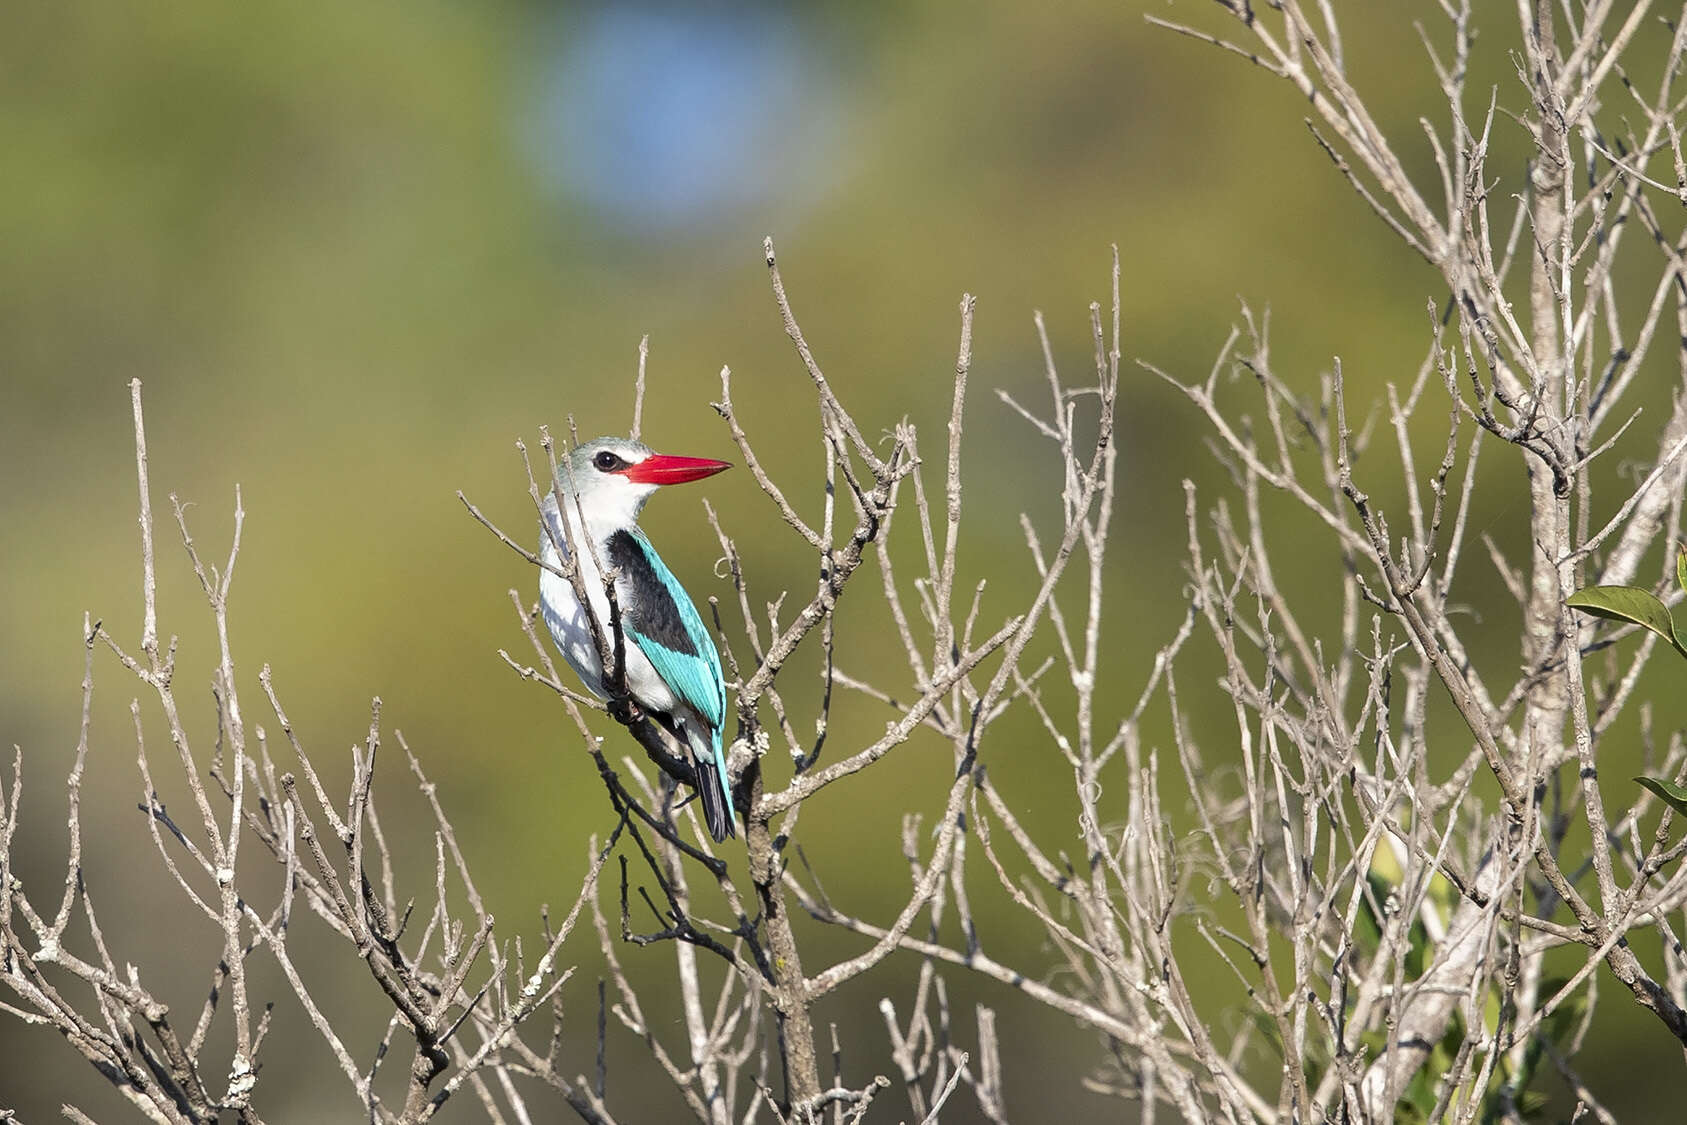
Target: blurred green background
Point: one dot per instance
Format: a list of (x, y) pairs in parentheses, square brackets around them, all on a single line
[(354, 251)]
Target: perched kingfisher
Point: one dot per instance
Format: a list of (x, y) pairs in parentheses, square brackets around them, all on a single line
[(672, 669)]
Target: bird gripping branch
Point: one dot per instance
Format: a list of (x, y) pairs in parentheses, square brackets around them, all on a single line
[(671, 668)]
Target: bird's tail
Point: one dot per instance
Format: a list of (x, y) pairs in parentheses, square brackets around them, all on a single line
[(712, 788)]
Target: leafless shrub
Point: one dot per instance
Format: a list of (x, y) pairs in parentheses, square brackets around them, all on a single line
[(1387, 927), (456, 993), (1391, 927), (954, 694)]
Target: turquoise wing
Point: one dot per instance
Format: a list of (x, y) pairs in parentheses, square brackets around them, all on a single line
[(669, 631)]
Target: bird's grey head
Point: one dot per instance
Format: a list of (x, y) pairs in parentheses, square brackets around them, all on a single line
[(614, 476), (601, 461)]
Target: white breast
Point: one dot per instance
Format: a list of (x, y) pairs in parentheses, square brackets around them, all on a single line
[(571, 629)]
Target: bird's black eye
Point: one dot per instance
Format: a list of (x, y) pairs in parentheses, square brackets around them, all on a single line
[(607, 462)]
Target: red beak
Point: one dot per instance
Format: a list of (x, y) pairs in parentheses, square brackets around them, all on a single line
[(663, 468)]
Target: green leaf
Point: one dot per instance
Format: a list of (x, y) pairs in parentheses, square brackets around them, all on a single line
[(1625, 603), (1681, 566), (1675, 796)]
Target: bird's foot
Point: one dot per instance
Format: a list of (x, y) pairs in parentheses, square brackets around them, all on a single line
[(625, 711)]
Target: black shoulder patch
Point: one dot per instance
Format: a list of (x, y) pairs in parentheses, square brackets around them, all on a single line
[(650, 610)]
